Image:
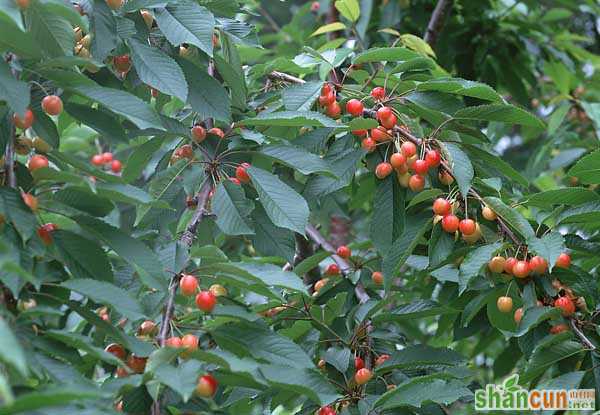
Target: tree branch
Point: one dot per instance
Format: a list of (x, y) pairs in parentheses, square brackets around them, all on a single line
[(201, 211), (9, 160), (436, 23), (280, 76), (587, 342)]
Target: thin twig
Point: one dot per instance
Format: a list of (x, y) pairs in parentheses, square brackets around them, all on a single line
[(9, 160), (587, 342), (280, 76), (202, 199), (436, 23)]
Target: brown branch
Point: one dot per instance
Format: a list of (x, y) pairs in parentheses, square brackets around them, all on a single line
[(9, 160), (437, 21), (202, 199), (280, 76), (303, 250), (587, 342)]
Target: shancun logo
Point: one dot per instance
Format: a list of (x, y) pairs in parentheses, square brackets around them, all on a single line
[(510, 396)]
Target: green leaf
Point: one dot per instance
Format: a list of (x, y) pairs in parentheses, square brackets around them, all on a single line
[(585, 213), (344, 166), (416, 43), (104, 27), (328, 28), (511, 216), (232, 209), (106, 293), (474, 261), (360, 123), (298, 158), (187, 22), (14, 92), (17, 212), (11, 352), (83, 199), (338, 358), (388, 217), (49, 397), (158, 70), (547, 355), (416, 309), (534, 316), (491, 160), (423, 196), (569, 196), (83, 257), (52, 32), (549, 247), (587, 169), (350, 9), (45, 128), (140, 157), (461, 87), (100, 120), (206, 96), (232, 72), (308, 382), (557, 118), (385, 54), (10, 11), (13, 39), (592, 109), (301, 97), (81, 342), (182, 379), (283, 205), (270, 239), (422, 357), (502, 113), (292, 119), (461, 166)]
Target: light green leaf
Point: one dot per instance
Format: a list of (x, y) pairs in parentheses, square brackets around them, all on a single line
[(501, 113), (298, 158), (416, 43), (331, 27), (587, 169), (385, 54), (350, 9), (461, 87), (292, 119)]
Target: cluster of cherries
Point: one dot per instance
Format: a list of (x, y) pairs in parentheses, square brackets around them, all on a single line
[(51, 105), (107, 159), (451, 223), (205, 299)]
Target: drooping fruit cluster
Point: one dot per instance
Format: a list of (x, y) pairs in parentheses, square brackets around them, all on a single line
[(184, 152), (536, 265), (107, 160), (328, 101)]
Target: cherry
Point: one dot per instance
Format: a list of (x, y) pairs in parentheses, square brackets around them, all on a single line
[(206, 301), (359, 363), (509, 265), (22, 4), (332, 269), (320, 284), (326, 89), (119, 406), (218, 290), (369, 144), (416, 183), (488, 213), (563, 261), (408, 148), (354, 107), (116, 350), (566, 305), (505, 304), (52, 105), (190, 343), (121, 372), (383, 170), (389, 122), (362, 376), (30, 200), (403, 178), (377, 278), (207, 386), (383, 113), (518, 315), (234, 180), (25, 122), (467, 226), (445, 178), (107, 157), (420, 167), (97, 160), (359, 133), (450, 223), (381, 359), (327, 99), (344, 252), (137, 364), (315, 6), (496, 264), (538, 265), (433, 158), (198, 133), (321, 364), (37, 161), (397, 160), (122, 63), (520, 269), (148, 19), (45, 232), (174, 342), (333, 110), (327, 410), (559, 328), (154, 93), (442, 206), (114, 4), (378, 93), (217, 131), (116, 166), (188, 284), (241, 173), (380, 134)]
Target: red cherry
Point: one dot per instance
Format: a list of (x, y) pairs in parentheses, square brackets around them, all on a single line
[(538, 265), (378, 93), (362, 376), (242, 174), (52, 105), (416, 183), (37, 161), (344, 252), (433, 158), (45, 232), (116, 350), (107, 157), (509, 265), (326, 89), (116, 166), (369, 144), (327, 410), (397, 160), (97, 160), (30, 200), (384, 112), (174, 342), (381, 359), (566, 305), (389, 122), (189, 342), (520, 269), (198, 133), (188, 285), (315, 6), (442, 206), (420, 167), (333, 110), (359, 363), (332, 269), (122, 63), (217, 131), (467, 226), (408, 148), (234, 180), (207, 386), (327, 99), (206, 301), (137, 364), (380, 134), (383, 170), (377, 278), (359, 133), (354, 107), (25, 122), (450, 223), (563, 261)]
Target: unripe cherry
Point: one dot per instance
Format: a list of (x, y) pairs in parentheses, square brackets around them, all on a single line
[(344, 252), (488, 213), (174, 342), (378, 93), (207, 386), (416, 183), (450, 223), (566, 305), (397, 160), (362, 376), (538, 265), (496, 264), (559, 328), (520, 269), (445, 178), (467, 226), (504, 304), (433, 158), (518, 315), (189, 342), (52, 105), (377, 278), (206, 301), (218, 290), (354, 107), (420, 167), (383, 170), (408, 148), (188, 284), (217, 131), (114, 4), (320, 284), (563, 261), (442, 206)]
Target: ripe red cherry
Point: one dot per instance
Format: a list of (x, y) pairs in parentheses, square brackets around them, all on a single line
[(315, 6), (122, 63), (217, 131), (450, 223), (97, 160), (389, 122), (174, 342), (189, 342), (37, 161), (333, 110), (25, 122), (362, 376), (359, 133), (327, 99), (359, 363), (198, 133), (520, 269), (188, 285), (383, 170), (368, 144), (445, 178), (377, 278), (442, 206), (381, 359), (380, 134), (241, 173), (354, 107), (45, 233), (207, 386), (566, 305), (116, 350), (509, 265), (116, 166), (344, 252), (234, 180), (52, 105), (538, 265), (408, 148), (206, 301), (559, 328), (137, 364), (433, 158), (378, 93), (326, 89), (420, 167), (332, 269), (384, 112), (563, 261), (107, 157), (416, 183), (467, 226), (30, 200), (327, 410), (397, 160)]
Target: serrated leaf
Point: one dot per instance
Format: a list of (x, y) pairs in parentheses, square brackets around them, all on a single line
[(206, 96), (416, 309), (501, 113), (104, 27), (11, 351), (81, 342), (461, 87), (298, 159), (182, 379), (461, 166), (292, 119), (328, 28), (269, 239), (385, 54), (350, 9), (17, 212), (301, 97), (14, 92), (587, 169), (140, 157), (565, 196), (421, 357), (83, 257), (549, 247), (474, 261), (511, 216), (547, 355), (338, 357), (52, 32), (585, 213), (388, 217), (102, 121), (54, 396), (232, 209), (491, 160), (308, 382)]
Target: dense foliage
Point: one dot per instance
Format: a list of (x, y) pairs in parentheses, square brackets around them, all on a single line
[(235, 207)]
